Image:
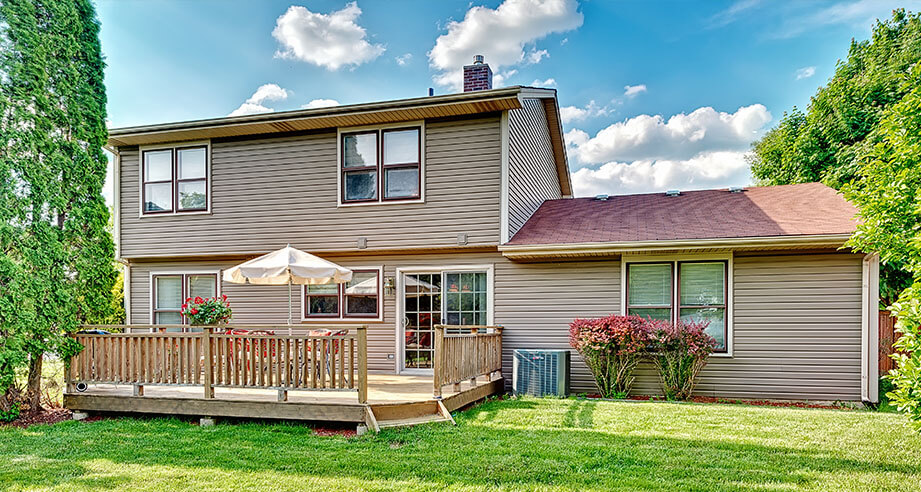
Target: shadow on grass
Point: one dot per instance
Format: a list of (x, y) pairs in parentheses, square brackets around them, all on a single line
[(488, 449)]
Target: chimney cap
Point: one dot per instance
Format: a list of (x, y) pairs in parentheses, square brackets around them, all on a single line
[(477, 59)]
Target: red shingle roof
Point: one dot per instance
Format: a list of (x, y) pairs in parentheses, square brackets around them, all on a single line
[(767, 211)]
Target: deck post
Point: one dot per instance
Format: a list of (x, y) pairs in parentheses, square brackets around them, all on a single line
[(209, 362), (363, 364), (69, 385), (438, 359), (476, 354)]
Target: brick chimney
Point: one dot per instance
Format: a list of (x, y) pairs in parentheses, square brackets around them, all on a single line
[(477, 77)]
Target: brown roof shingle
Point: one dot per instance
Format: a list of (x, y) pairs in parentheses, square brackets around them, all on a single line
[(766, 211)]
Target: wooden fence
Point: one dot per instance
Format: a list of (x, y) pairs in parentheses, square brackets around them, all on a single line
[(465, 352), (279, 362), (887, 336)]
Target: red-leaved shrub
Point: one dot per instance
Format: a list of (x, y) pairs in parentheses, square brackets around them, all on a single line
[(679, 351), (611, 347)]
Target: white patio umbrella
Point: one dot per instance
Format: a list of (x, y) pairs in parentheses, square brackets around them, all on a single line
[(287, 266)]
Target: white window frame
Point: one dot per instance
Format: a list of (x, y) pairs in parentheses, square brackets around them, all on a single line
[(674, 260), (343, 318), (173, 146), (380, 178), (154, 273), (490, 270)]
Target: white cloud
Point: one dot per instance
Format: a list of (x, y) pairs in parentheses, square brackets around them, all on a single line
[(682, 136), (320, 103), (504, 35), (404, 59), (702, 171), (805, 73), (569, 114), (733, 12), (326, 40), (856, 14), (632, 91), (551, 82), (535, 56), (255, 104)]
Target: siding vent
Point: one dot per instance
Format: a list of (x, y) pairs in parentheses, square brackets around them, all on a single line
[(672, 192), (462, 239), (362, 243), (736, 189), (601, 198)]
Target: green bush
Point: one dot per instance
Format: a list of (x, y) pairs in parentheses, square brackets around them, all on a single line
[(611, 347), (679, 351)]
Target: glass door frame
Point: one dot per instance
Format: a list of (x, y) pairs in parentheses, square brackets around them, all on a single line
[(400, 329)]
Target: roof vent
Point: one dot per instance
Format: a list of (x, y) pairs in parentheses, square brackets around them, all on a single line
[(672, 192), (736, 189), (601, 198)]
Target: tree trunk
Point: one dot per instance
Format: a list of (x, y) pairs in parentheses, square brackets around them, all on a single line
[(34, 383)]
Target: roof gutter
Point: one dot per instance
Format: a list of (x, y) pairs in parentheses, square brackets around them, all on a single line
[(536, 251), (473, 96)]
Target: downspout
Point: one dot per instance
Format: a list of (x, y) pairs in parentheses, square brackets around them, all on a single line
[(869, 336)]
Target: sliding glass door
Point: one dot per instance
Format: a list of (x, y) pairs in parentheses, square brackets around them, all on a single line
[(432, 298)]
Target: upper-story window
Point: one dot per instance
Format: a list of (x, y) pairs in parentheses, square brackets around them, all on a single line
[(174, 180), (381, 165)]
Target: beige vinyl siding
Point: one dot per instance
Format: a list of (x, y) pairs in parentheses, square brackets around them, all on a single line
[(532, 173), (796, 330), (273, 191)]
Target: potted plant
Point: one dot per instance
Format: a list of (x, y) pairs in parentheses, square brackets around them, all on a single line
[(202, 311)]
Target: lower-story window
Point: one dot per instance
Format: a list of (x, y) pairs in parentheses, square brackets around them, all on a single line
[(699, 294), (170, 290), (356, 299)]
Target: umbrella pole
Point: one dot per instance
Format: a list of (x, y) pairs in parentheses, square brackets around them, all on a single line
[(290, 328)]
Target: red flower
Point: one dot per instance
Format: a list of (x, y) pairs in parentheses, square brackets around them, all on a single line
[(184, 306), (194, 311), (224, 297), (199, 300), (187, 299)]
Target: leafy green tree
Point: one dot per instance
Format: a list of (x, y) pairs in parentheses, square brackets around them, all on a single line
[(827, 142), (888, 195), (56, 262)]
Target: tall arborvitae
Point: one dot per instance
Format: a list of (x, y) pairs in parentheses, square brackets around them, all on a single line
[(56, 256)]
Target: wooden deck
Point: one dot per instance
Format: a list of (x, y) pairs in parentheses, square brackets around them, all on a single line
[(394, 399), (246, 374)]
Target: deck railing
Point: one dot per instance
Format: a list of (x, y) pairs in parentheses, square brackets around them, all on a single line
[(209, 359), (465, 352)]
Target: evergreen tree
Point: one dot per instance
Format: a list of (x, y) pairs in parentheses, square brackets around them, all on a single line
[(56, 256)]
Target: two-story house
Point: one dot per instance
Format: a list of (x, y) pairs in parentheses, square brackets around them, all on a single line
[(458, 209)]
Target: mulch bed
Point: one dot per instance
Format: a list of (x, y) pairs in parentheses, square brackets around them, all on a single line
[(46, 416), (729, 401)]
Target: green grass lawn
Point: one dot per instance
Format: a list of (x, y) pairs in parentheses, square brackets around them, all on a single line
[(522, 444)]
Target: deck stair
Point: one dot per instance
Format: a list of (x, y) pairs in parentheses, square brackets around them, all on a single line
[(388, 415)]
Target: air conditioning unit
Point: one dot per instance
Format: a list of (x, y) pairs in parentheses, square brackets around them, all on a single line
[(541, 372)]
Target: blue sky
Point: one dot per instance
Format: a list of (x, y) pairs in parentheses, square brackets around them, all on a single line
[(656, 95)]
